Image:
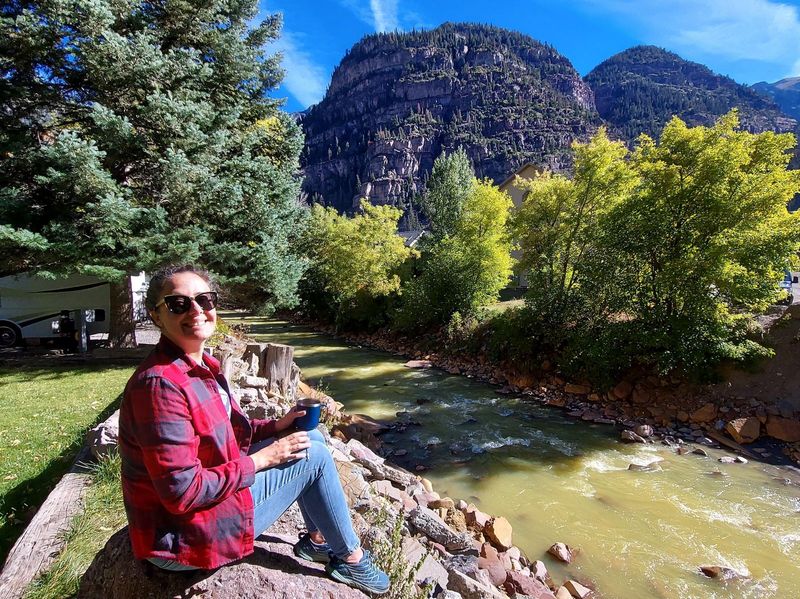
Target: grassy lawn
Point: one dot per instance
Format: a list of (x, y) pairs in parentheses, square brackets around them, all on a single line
[(44, 412)]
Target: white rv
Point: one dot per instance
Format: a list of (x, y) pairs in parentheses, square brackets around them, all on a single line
[(34, 308)]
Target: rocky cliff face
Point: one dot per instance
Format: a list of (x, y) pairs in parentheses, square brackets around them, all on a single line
[(396, 101), (785, 93), (638, 91)]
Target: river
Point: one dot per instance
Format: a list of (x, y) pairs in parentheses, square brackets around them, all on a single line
[(639, 534)]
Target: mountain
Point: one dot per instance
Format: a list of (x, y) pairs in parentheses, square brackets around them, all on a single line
[(785, 93), (397, 100), (638, 91)]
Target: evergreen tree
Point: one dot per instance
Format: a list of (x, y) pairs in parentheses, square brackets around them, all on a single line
[(137, 133)]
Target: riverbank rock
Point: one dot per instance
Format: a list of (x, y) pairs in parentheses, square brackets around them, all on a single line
[(721, 572), (577, 590), (469, 588), (418, 364), (706, 413), (272, 571), (783, 429), (431, 525), (499, 532), (517, 584), (632, 437), (744, 430), (562, 552)]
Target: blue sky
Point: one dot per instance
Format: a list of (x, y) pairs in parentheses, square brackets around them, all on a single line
[(748, 40)]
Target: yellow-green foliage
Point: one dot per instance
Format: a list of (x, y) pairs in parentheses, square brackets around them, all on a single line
[(709, 217), (355, 260), (657, 255), (557, 225), (482, 238), (467, 269)]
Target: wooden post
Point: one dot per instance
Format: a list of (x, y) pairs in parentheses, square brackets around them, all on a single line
[(252, 357), (43, 539), (280, 371)]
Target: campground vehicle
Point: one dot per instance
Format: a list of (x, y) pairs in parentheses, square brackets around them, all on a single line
[(67, 310)]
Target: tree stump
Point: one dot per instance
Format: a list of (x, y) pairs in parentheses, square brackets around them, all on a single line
[(281, 372)]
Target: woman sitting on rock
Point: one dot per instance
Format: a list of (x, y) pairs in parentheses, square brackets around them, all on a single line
[(200, 481)]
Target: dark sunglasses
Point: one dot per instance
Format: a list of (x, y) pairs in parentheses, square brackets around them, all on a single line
[(181, 304)]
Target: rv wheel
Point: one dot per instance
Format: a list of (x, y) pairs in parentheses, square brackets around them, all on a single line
[(9, 337)]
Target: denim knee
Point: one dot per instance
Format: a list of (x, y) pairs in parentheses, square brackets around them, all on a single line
[(315, 435), (319, 453)]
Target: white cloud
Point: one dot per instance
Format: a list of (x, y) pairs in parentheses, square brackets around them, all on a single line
[(384, 13), (360, 9), (761, 30), (379, 14), (304, 79)]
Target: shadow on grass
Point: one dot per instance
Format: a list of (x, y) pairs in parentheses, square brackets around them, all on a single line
[(26, 497)]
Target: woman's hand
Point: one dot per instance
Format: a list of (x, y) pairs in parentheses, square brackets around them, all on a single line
[(287, 449), (287, 421)]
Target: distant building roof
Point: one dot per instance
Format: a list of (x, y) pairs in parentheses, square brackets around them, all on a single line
[(526, 171), (411, 237)]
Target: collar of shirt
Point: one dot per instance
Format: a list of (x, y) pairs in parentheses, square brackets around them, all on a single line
[(184, 361)]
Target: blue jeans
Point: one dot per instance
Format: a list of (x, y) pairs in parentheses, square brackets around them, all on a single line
[(314, 484)]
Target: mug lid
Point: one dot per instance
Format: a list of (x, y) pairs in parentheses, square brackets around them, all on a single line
[(308, 401)]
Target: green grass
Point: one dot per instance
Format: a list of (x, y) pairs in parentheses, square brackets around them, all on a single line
[(102, 516), (503, 306), (45, 411)]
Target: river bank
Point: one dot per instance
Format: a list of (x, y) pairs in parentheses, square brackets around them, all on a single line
[(674, 408), (640, 533)]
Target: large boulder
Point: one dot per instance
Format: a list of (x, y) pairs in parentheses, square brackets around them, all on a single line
[(271, 571), (432, 526), (744, 430), (784, 429), (469, 588), (517, 584), (499, 532), (706, 413)]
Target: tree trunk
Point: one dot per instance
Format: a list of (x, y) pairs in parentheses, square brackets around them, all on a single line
[(122, 329), (279, 370)]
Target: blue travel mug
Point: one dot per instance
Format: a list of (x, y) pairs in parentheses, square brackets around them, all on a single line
[(312, 408)]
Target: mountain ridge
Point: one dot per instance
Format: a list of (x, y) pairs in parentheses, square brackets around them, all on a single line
[(397, 100)]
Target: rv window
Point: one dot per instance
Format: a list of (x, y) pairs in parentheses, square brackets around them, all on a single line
[(99, 315)]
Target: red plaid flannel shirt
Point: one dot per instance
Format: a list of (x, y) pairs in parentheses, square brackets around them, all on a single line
[(185, 469)]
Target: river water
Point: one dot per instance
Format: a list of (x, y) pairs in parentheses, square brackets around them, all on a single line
[(639, 534)]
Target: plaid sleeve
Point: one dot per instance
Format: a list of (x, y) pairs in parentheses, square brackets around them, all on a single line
[(263, 429), (169, 444)]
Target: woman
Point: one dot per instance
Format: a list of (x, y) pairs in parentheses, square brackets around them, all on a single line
[(197, 490)]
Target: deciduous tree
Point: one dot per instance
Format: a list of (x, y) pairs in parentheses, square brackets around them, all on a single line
[(467, 269), (451, 182), (355, 263)]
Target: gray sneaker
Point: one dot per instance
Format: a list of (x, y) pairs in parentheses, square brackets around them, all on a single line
[(308, 549), (364, 575)]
